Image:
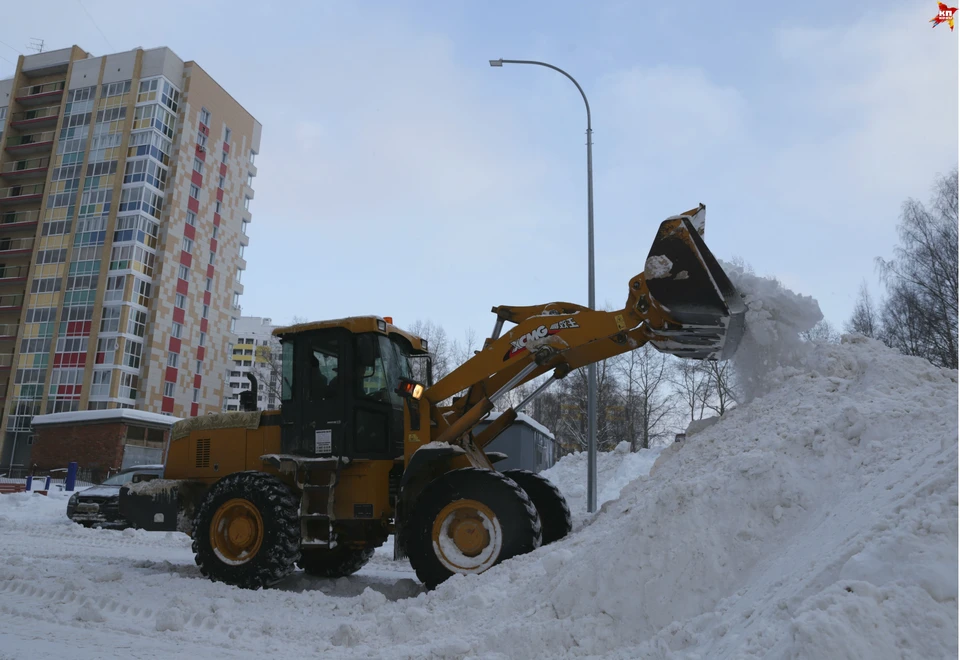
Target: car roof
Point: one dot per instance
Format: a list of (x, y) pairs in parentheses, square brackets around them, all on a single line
[(141, 467)]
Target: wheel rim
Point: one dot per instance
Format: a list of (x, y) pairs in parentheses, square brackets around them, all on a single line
[(236, 531), (467, 537)]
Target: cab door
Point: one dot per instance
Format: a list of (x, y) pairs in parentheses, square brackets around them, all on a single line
[(376, 409), (317, 423)]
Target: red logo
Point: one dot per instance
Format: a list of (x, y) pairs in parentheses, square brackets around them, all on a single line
[(944, 15)]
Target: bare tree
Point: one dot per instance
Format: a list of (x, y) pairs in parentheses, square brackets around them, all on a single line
[(822, 331), (690, 380), (268, 369), (865, 318), (647, 404), (718, 393), (571, 426), (920, 313), (439, 348)]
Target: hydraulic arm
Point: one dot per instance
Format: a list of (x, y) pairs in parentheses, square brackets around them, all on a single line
[(683, 303)]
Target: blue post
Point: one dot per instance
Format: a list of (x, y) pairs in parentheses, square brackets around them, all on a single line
[(29, 483), (71, 477), (46, 484)]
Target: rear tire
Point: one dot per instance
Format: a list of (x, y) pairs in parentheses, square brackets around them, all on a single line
[(339, 562), (550, 502), (467, 521), (247, 531)]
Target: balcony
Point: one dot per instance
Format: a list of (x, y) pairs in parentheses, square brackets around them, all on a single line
[(45, 116), (21, 194), (15, 246), (12, 275), (13, 220), (46, 93), (8, 331), (12, 302), (32, 143), (24, 169)]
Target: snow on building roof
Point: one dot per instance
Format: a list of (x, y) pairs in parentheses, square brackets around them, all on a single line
[(523, 418), (114, 415)]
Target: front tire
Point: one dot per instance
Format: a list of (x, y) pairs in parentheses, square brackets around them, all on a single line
[(467, 521), (247, 531), (339, 562), (550, 502)]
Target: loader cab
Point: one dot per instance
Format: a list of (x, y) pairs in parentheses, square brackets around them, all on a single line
[(339, 389)]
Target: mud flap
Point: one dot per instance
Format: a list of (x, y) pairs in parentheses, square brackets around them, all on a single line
[(154, 509), (685, 279)]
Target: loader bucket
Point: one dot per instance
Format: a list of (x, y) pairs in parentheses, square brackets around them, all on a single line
[(684, 278)]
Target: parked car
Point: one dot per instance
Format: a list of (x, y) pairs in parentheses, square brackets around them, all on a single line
[(99, 506)]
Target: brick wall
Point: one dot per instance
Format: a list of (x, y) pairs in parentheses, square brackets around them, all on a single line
[(97, 447)]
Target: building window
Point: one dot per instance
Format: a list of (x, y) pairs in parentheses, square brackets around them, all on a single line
[(222, 183), (209, 284), (183, 273), (180, 301), (239, 274), (173, 360), (249, 180), (191, 218), (197, 165), (196, 395), (233, 325), (194, 192), (206, 311), (213, 256), (226, 135), (186, 245), (199, 366), (132, 350), (177, 331), (253, 156), (201, 141), (241, 250), (216, 231), (204, 116), (168, 389), (225, 155), (246, 203), (217, 206), (203, 339), (236, 299), (137, 323), (243, 226)]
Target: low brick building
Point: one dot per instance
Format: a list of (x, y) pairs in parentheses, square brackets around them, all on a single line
[(100, 441)]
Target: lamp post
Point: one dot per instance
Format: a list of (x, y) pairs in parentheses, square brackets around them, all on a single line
[(591, 368)]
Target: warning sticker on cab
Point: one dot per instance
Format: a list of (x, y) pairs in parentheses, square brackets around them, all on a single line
[(323, 442)]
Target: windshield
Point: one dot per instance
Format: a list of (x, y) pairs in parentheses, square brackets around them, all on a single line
[(119, 479)]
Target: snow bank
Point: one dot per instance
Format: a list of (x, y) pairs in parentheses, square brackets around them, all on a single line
[(615, 469)]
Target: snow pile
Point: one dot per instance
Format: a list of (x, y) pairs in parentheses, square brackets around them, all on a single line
[(615, 469), (775, 318)]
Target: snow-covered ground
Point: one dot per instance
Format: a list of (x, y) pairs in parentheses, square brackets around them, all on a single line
[(818, 520)]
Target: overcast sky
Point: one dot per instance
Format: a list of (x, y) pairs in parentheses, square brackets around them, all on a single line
[(400, 175)]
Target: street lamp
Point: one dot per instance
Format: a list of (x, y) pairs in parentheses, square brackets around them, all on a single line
[(592, 368)]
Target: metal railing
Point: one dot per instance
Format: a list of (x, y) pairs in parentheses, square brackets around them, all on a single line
[(45, 88), (16, 217), (25, 165), (32, 138), (37, 113), (13, 273), (16, 244), (11, 300), (21, 191), (9, 329)]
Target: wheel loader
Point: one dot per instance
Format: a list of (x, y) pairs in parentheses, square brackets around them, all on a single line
[(363, 447)]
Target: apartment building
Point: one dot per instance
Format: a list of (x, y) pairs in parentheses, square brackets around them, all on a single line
[(256, 352), (125, 185)]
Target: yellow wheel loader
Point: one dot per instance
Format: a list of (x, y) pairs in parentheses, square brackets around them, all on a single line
[(361, 449)]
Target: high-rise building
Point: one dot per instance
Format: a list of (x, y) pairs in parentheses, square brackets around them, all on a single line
[(256, 352), (125, 185)]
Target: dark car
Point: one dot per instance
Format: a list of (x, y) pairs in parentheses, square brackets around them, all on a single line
[(99, 506)]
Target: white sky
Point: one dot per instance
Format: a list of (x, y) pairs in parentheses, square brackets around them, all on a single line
[(401, 175)]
